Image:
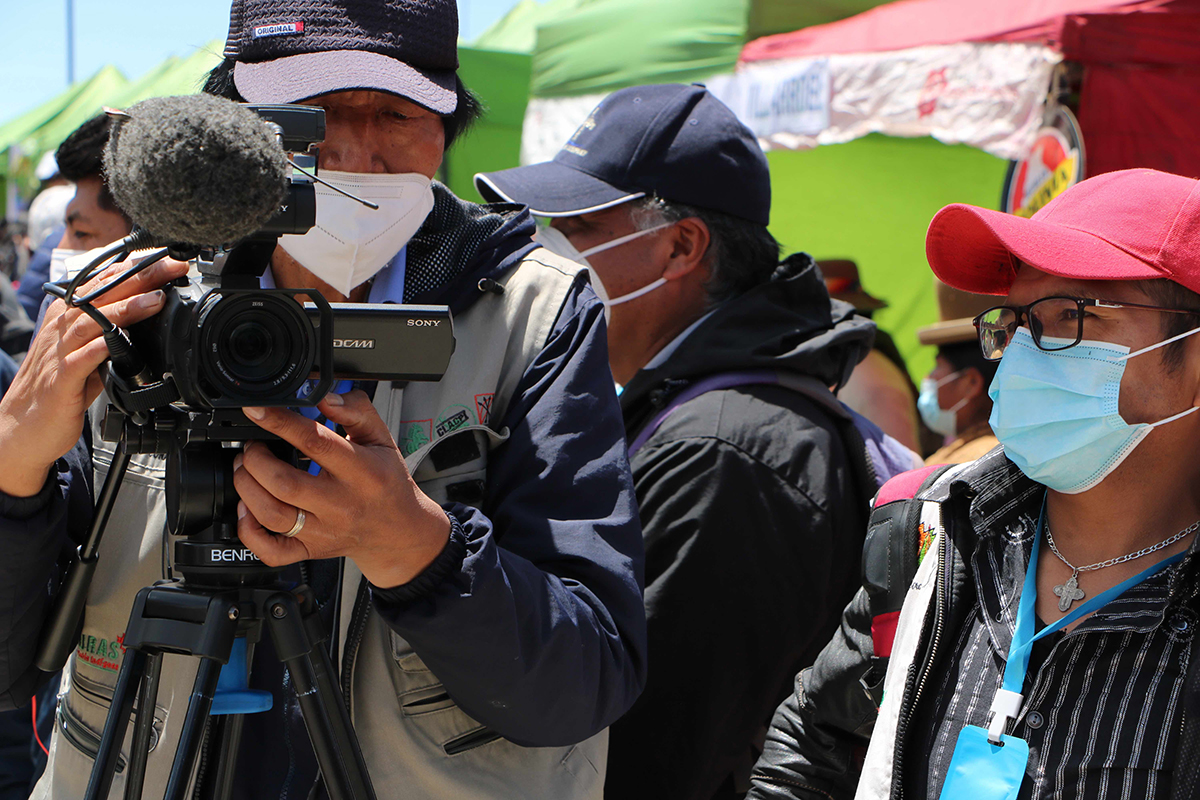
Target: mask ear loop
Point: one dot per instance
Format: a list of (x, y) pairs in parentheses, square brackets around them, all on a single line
[(952, 376), (954, 408), (1164, 343), (629, 237)]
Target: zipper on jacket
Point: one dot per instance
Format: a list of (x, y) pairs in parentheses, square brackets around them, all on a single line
[(941, 594), (354, 634), (469, 741), (83, 738)]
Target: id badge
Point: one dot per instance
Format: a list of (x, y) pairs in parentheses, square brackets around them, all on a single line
[(980, 770)]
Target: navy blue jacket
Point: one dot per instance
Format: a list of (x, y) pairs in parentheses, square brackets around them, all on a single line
[(37, 273), (546, 576)]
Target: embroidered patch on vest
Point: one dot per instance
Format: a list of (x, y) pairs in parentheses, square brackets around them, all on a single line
[(102, 653), (451, 419), (483, 407), (278, 29), (413, 435)]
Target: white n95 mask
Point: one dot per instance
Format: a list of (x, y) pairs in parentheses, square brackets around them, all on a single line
[(66, 263), (350, 242), (556, 242)]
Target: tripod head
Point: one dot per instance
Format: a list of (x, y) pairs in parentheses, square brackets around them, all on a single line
[(201, 502)]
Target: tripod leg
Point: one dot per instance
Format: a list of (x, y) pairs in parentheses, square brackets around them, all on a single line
[(115, 725), (339, 716), (192, 733), (333, 739), (139, 749), (226, 737)]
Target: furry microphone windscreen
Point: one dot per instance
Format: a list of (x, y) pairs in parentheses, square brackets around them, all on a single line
[(197, 169)]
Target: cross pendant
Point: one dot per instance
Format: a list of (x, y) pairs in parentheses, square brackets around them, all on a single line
[(1068, 592)]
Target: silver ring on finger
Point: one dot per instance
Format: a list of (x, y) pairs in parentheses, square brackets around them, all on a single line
[(301, 517)]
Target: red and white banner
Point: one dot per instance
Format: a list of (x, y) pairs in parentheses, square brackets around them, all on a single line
[(987, 95)]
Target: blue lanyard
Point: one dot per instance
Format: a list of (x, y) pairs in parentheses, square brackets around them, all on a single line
[(1008, 700)]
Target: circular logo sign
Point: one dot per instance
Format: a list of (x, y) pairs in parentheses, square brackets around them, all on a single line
[(1055, 163)]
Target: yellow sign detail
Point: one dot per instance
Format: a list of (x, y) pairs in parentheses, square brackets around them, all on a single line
[(1058, 182)]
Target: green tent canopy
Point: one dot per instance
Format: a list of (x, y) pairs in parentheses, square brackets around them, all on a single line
[(500, 80), (869, 200), (86, 95), (175, 76), (24, 139), (45, 127)]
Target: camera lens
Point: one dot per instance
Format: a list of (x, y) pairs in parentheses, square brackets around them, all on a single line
[(256, 346), (250, 343)]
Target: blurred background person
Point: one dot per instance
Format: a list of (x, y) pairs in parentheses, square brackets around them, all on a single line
[(90, 218), (954, 398), (879, 388), (49, 207)]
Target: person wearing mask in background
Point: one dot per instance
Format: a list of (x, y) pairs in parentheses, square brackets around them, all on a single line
[(879, 388), (489, 563), (750, 502), (91, 218), (48, 209), (1045, 643), (954, 398)]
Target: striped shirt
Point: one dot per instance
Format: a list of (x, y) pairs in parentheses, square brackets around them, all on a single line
[(1102, 709)]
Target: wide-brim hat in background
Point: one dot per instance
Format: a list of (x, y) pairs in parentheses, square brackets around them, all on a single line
[(843, 283), (956, 311), (288, 51)]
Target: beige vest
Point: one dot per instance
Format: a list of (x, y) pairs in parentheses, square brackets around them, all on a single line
[(417, 742)]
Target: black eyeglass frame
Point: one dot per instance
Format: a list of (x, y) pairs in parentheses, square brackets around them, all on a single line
[(1022, 315)]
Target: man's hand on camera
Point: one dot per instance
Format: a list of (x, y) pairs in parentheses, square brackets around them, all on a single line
[(41, 415), (363, 505)]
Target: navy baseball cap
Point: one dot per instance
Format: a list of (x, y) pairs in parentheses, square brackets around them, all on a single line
[(672, 141)]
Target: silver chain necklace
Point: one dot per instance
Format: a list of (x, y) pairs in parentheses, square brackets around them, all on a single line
[(1069, 592)]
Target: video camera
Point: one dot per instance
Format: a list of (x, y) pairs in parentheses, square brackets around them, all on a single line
[(224, 342)]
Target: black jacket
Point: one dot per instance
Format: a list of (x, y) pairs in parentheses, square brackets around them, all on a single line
[(819, 735), (753, 528)]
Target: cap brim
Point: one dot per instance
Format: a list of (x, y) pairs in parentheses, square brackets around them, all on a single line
[(551, 190), (973, 249), (951, 331), (299, 77)]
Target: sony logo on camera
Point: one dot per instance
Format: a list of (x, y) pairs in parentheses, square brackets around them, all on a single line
[(229, 554)]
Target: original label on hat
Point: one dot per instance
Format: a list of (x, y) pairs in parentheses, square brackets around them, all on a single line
[(278, 29)]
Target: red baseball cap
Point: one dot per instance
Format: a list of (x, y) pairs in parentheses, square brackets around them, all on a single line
[(1134, 224)]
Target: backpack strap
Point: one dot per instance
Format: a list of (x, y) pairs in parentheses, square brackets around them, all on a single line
[(875, 457), (900, 531), (724, 380)]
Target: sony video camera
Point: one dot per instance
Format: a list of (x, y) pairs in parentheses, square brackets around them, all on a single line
[(224, 342)]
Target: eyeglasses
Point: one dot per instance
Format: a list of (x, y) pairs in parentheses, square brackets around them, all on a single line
[(1056, 323)]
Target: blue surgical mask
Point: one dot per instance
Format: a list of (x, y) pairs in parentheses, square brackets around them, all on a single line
[(938, 419), (1056, 413)]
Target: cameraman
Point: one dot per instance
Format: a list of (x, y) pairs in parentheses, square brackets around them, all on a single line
[(489, 622)]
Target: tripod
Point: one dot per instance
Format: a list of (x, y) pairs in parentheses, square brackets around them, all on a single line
[(224, 599)]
